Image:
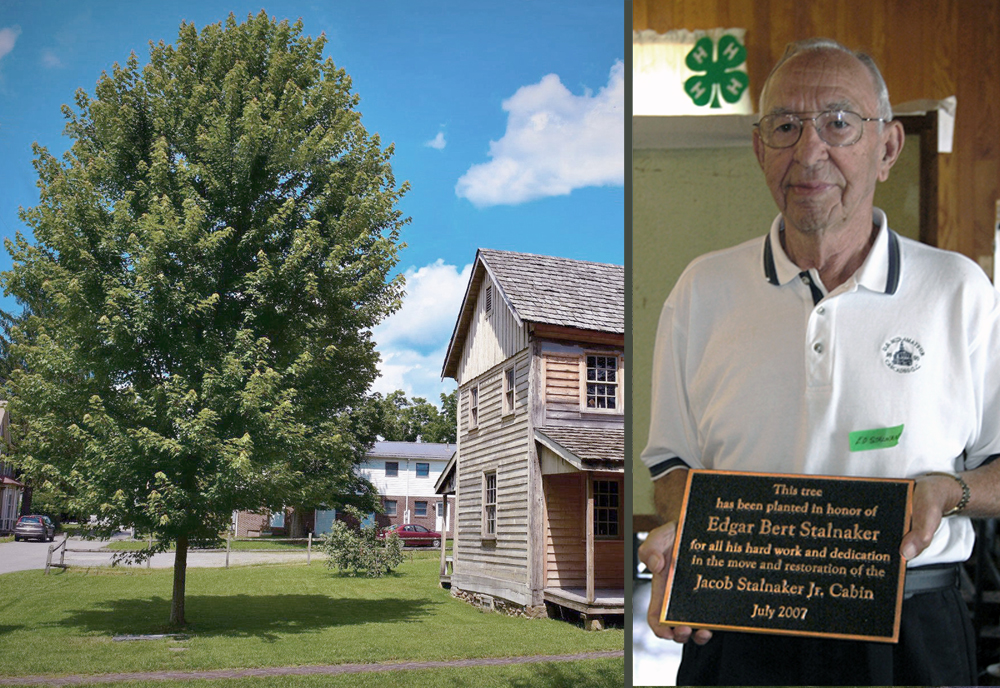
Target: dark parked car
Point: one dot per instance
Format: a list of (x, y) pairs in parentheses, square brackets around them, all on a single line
[(414, 535), (34, 527)]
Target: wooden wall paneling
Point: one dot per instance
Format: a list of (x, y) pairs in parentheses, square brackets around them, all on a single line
[(943, 44), (942, 82), (969, 62), (987, 136), (853, 27), (758, 51), (640, 18), (660, 16), (589, 525), (985, 36), (822, 17), (880, 32), (782, 23), (566, 559), (904, 55), (700, 13), (965, 127), (737, 15), (610, 564)]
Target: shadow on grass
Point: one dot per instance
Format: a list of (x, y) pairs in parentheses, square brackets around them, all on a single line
[(9, 629), (571, 675), (261, 616)]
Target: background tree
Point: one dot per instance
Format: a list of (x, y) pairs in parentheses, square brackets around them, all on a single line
[(208, 261), (444, 428), (412, 420)]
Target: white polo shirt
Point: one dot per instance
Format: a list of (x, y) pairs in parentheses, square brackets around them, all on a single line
[(758, 368)]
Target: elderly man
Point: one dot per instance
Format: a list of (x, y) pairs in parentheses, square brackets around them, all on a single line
[(771, 353)]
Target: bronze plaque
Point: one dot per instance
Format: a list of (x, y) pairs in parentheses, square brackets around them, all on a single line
[(790, 554)]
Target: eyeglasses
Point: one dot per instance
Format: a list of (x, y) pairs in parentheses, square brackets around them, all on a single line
[(834, 127)]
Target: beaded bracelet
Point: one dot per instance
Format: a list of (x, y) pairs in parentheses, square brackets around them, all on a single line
[(966, 494)]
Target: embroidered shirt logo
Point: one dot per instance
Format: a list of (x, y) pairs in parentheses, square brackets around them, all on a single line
[(902, 354)]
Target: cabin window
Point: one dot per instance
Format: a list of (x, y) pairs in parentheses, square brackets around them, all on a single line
[(602, 384), (508, 391), (473, 407), (391, 469), (490, 504), (607, 508), (420, 508), (390, 507), (423, 470)]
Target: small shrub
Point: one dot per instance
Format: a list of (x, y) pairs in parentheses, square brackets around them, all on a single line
[(356, 550)]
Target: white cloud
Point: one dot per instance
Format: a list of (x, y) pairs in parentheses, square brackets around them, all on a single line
[(8, 37), (555, 142), (51, 60), (413, 341), (437, 142), (417, 374)]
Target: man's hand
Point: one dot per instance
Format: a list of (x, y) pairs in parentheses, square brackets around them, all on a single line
[(657, 553), (933, 495)]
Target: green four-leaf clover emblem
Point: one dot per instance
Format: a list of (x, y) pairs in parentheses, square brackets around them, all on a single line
[(721, 75)]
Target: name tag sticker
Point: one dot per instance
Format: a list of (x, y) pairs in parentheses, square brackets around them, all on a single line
[(879, 438)]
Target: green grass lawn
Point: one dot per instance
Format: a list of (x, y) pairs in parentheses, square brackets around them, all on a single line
[(260, 616), (598, 673)]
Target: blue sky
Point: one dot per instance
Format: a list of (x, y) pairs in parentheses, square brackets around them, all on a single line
[(508, 121)]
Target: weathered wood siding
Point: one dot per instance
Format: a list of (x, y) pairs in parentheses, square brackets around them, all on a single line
[(565, 542), (564, 384), (609, 564), (492, 338), (500, 442), (566, 536)]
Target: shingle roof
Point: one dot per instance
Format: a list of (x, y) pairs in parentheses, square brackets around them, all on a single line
[(561, 291), (545, 290), (412, 450), (593, 446)]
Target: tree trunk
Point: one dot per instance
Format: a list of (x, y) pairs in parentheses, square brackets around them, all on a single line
[(296, 524), (26, 501), (180, 575)]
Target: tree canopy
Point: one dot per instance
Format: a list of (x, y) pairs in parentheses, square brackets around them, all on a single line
[(208, 260), (412, 420)]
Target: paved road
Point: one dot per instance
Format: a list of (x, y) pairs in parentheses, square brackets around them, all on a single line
[(25, 556)]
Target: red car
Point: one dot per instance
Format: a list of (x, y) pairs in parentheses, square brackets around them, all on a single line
[(414, 535)]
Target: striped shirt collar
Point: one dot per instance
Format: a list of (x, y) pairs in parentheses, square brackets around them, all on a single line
[(879, 273)]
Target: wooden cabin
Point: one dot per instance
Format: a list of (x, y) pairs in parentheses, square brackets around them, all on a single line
[(538, 354)]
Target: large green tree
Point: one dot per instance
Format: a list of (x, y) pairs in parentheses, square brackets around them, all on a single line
[(208, 260)]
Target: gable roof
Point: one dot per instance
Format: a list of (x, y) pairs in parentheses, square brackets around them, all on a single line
[(546, 290), (446, 481)]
